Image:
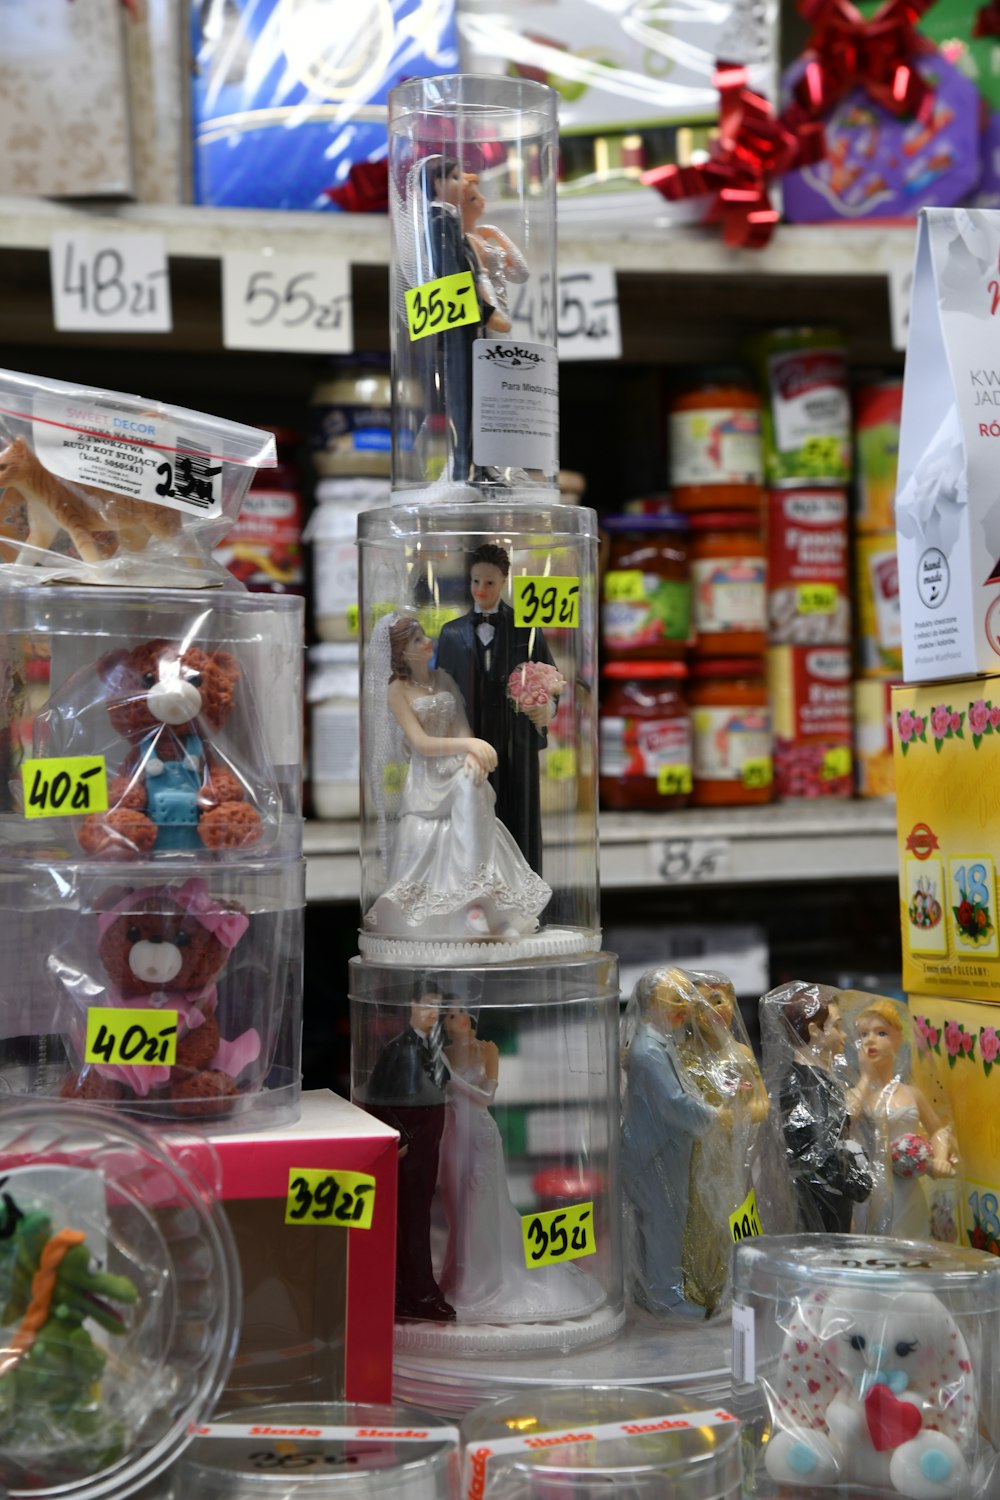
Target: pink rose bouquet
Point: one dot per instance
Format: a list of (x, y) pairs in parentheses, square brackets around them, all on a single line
[(533, 684)]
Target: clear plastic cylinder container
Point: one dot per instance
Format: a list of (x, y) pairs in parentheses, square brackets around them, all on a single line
[(134, 1318), (172, 995), (478, 631), (168, 726), (472, 174), (494, 1076), (866, 1367), (602, 1442), (320, 1451)]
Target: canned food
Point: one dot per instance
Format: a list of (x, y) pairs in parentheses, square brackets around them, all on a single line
[(645, 736), (729, 584), (715, 451), (646, 589), (808, 599), (880, 635), (806, 423), (731, 720), (873, 770), (877, 411), (811, 714)]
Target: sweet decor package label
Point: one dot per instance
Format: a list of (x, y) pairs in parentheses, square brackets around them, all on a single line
[(515, 400)]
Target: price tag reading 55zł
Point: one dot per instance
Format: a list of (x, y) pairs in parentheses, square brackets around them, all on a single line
[(109, 283), (552, 602), (286, 302), (560, 1234), (316, 1196)]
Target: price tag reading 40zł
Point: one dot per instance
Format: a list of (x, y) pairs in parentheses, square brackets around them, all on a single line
[(61, 788), (318, 1196), (142, 1039), (109, 283), (561, 1234), (438, 306), (586, 312), (553, 602), (286, 302)]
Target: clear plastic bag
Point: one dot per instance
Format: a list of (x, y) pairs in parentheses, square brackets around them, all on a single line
[(102, 487)]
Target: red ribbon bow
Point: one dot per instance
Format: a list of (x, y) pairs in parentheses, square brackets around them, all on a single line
[(752, 148), (845, 51), (366, 190)]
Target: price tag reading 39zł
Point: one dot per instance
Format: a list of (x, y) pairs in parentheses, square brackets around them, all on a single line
[(553, 602), (286, 302), (558, 1235), (109, 283), (319, 1196)]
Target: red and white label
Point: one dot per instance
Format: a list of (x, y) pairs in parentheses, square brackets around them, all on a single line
[(718, 445), (807, 538), (809, 397), (641, 747), (727, 740), (729, 594)]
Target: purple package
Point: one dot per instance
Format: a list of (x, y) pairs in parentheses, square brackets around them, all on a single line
[(880, 167)]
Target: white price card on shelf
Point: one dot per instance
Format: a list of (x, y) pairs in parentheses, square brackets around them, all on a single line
[(900, 292), (116, 282), (585, 310), (690, 861), (293, 303)]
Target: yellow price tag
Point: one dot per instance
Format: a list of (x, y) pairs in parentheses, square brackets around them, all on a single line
[(624, 586), (393, 776), (353, 618), (547, 601), (816, 598), (318, 1196), (560, 764), (141, 1038), (437, 306), (836, 762), (560, 1234), (744, 1224), (673, 781), (60, 788), (757, 773)]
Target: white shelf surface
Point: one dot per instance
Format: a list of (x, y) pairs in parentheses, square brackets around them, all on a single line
[(641, 851), (801, 250)]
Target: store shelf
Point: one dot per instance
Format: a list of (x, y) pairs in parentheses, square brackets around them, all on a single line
[(641, 851)]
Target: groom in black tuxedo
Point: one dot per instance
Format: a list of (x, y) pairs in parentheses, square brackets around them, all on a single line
[(406, 1092), (480, 650)]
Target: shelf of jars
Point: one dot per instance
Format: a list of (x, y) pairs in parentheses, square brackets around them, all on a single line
[(793, 841)]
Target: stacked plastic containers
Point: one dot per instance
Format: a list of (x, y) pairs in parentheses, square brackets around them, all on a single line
[(151, 879), (484, 1014)]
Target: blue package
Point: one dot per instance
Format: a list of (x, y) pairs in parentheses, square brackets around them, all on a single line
[(289, 94)]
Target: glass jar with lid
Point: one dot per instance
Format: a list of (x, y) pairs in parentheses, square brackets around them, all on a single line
[(646, 588), (731, 721), (716, 460), (645, 736), (729, 584)]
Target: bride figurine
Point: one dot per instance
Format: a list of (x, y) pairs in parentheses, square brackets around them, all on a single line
[(500, 261), (454, 871), (484, 1275)]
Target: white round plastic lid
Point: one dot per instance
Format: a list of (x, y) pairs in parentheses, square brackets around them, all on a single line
[(867, 1260), (339, 1450), (601, 1440), (119, 1302)]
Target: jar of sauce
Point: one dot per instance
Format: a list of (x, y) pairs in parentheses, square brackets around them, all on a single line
[(716, 458), (645, 736), (646, 589), (264, 547), (731, 721), (728, 562)]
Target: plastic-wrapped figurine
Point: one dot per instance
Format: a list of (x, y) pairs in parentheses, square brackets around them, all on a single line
[(721, 995), (806, 1065), (454, 871), (484, 1274), (920, 1141), (499, 260), (482, 651), (690, 1104), (50, 1364)]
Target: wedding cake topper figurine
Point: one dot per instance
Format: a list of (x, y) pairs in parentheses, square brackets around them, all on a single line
[(499, 260)]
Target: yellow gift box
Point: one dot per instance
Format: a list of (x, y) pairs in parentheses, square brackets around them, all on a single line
[(946, 753)]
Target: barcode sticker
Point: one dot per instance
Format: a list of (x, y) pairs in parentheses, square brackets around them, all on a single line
[(744, 1356)]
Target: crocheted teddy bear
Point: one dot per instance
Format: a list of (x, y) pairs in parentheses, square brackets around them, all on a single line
[(173, 791), (163, 948)]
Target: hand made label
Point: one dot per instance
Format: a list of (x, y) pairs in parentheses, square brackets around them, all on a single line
[(560, 1234), (316, 1196), (547, 601), (59, 788), (744, 1224), (142, 1039), (437, 306)]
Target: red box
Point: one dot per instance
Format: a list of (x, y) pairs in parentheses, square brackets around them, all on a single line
[(318, 1297)]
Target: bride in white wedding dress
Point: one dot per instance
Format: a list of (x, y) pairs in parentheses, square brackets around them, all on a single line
[(454, 871), (484, 1275)]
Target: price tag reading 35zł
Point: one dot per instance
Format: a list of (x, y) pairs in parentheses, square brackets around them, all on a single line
[(109, 283), (558, 1235), (319, 1196), (286, 302), (442, 305)]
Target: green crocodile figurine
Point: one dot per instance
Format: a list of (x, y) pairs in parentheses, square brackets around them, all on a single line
[(50, 1366)]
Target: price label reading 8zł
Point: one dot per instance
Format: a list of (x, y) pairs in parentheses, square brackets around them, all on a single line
[(552, 602), (438, 306), (317, 1196), (286, 302), (109, 283), (142, 1039), (560, 1234)]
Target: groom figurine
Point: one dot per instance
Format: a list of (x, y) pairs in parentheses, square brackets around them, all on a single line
[(480, 650), (406, 1092)]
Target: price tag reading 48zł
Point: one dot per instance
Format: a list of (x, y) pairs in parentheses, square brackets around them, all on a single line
[(561, 1234), (318, 1196), (109, 283)]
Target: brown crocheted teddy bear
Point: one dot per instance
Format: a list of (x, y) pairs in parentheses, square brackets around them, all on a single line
[(171, 792)]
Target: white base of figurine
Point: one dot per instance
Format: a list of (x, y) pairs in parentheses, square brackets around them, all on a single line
[(517, 489), (550, 942), (509, 1338)]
